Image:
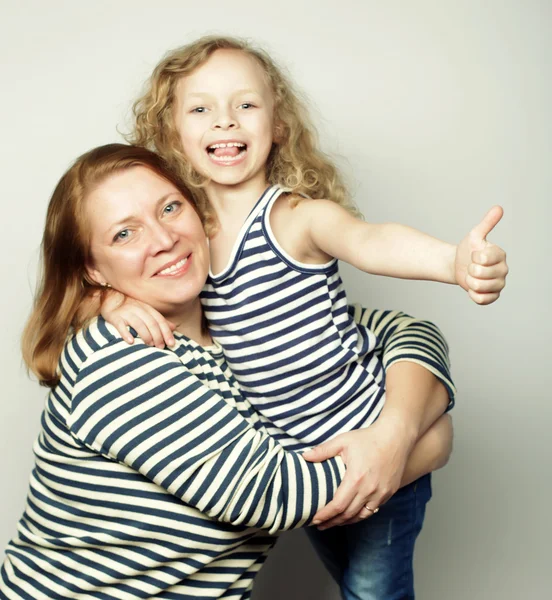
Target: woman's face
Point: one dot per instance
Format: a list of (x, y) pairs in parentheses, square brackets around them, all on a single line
[(147, 241)]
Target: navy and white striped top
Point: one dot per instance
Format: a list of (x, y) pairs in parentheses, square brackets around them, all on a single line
[(152, 478), (292, 342)]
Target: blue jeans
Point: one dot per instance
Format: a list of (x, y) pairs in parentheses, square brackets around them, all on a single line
[(372, 560)]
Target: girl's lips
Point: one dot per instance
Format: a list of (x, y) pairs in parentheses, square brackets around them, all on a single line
[(178, 268), (227, 160)]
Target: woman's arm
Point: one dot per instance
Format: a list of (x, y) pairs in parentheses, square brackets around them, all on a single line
[(431, 452), (142, 407), (418, 390)]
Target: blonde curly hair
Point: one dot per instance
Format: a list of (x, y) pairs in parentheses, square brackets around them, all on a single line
[(295, 162)]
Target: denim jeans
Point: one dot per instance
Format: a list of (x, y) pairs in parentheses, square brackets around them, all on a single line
[(372, 560)]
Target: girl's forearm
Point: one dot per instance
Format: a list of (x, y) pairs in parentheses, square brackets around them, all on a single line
[(400, 251)]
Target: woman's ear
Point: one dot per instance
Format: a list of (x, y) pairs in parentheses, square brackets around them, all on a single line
[(95, 276)]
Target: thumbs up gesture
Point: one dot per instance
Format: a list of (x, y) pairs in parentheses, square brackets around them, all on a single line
[(480, 266)]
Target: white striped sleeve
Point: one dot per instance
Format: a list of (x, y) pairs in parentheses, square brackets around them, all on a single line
[(141, 406), (404, 338)]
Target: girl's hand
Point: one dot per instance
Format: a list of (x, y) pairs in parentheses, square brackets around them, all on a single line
[(124, 312), (375, 458), (480, 267)]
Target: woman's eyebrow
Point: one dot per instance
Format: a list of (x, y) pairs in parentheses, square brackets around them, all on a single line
[(128, 218)]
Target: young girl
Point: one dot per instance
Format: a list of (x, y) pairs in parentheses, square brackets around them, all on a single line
[(224, 116)]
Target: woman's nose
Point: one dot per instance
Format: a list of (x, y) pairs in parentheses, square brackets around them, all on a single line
[(162, 238)]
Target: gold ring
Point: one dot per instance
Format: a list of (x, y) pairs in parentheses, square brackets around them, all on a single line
[(372, 510)]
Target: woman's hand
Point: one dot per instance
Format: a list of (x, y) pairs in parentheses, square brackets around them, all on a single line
[(375, 458), (480, 267), (124, 312), (431, 452)]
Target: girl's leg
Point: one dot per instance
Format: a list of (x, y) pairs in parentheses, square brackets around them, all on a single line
[(376, 562), (331, 547)]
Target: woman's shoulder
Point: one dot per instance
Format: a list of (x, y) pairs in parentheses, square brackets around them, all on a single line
[(94, 336), (96, 341)]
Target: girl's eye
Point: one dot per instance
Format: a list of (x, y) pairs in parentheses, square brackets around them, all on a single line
[(198, 109), (122, 235), (172, 207), (246, 105)]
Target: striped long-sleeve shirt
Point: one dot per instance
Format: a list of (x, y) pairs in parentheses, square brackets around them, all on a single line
[(152, 479), (292, 341)]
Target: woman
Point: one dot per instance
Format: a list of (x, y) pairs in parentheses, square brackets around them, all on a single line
[(153, 475)]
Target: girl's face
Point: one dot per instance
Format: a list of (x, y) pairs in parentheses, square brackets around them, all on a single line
[(147, 241), (225, 116)]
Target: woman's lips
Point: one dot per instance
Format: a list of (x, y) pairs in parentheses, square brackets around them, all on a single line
[(175, 269)]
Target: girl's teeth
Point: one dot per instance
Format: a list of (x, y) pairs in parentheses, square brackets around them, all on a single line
[(174, 267), (228, 145), (227, 158)]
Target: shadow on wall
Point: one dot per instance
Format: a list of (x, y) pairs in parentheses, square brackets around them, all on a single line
[(294, 572)]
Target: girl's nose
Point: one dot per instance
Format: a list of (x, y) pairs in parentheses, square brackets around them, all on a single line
[(225, 120)]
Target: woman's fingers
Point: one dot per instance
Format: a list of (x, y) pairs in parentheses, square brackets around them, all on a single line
[(358, 510), (324, 451)]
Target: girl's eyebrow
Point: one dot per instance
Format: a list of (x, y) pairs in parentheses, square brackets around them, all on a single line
[(210, 94)]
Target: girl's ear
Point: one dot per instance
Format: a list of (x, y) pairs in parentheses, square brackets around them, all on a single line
[(278, 133)]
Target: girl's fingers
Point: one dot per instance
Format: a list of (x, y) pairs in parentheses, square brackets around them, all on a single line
[(494, 272), (489, 256), (122, 328), (141, 328), (167, 334), (485, 286), (164, 327), (154, 333), (483, 299)]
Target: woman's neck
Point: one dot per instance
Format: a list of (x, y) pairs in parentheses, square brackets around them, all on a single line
[(190, 322)]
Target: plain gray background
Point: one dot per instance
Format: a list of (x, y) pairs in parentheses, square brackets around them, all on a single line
[(440, 109)]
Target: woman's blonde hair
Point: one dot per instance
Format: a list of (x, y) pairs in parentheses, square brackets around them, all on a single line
[(64, 282), (295, 161)]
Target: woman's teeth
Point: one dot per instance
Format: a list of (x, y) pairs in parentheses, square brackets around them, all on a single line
[(174, 267)]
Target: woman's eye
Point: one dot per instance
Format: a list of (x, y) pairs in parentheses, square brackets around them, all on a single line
[(246, 105), (122, 235), (198, 109), (172, 207)]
